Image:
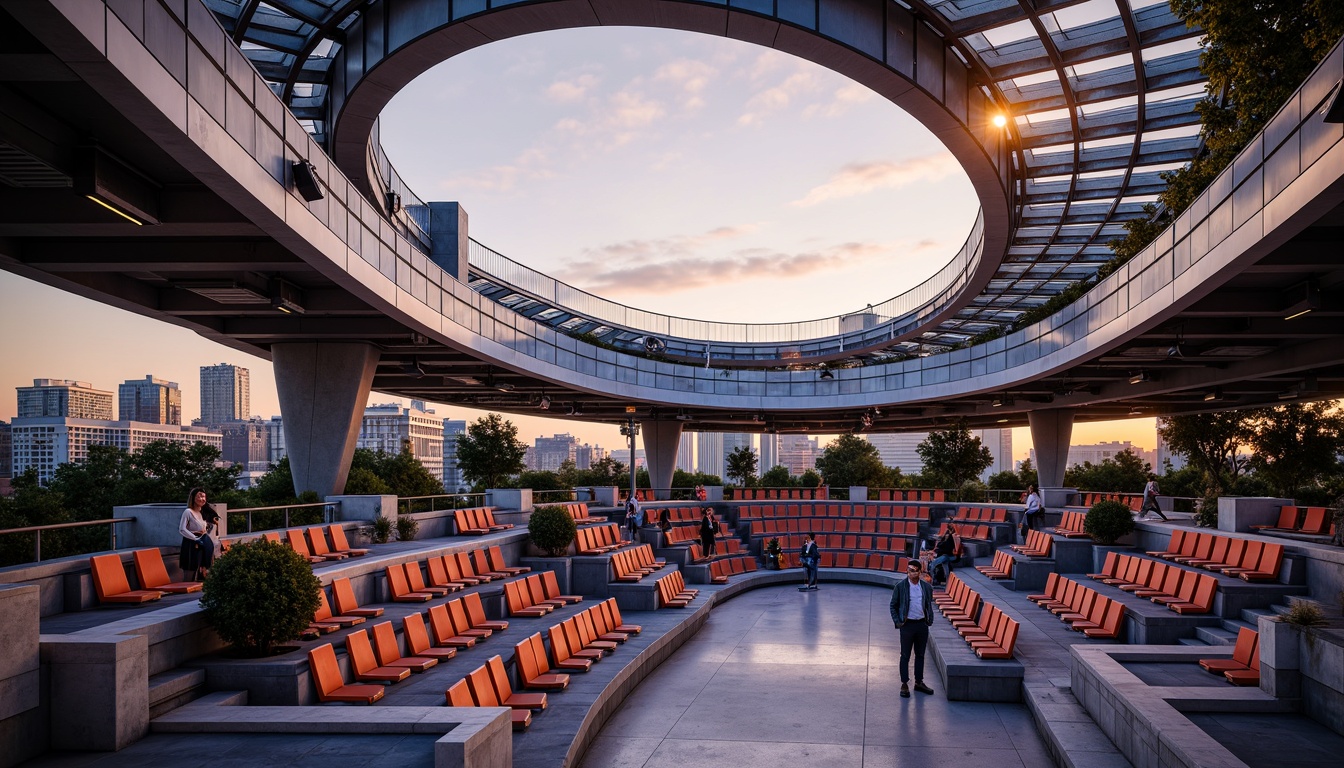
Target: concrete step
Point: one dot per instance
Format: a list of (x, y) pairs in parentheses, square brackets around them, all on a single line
[(1235, 625), (1193, 641), (170, 690), (1215, 636), (1252, 615)]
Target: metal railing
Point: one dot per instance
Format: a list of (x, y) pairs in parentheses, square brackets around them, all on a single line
[(562, 495), (412, 504), (328, 511), (37, 530)]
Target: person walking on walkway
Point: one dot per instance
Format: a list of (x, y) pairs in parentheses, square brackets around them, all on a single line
[(1150, 505), (809, 558), (912, 613), (1034, 516)]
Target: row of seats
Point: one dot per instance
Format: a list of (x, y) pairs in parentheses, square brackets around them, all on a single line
[(1071, 526), (1081, 607), (981, 515), (642, 494), (1132, 500), (1244, 666), (312, 543), (477, 521), (1180, 589), (834, 525), (972, 532), (112, 586), (488, 686), (599, 539), (1249, 559), (752, 494), (1001, 567), (683, 534), (908, 494), (860, 511), (721, 570), (672, 591), (633, 565), (992, 635), (536, 595), (1038, 544), (579, 511), (1314, 521), (870, 561)]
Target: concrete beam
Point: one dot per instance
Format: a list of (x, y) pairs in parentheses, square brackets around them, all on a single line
[(1050, 433), (661, 441), (323, 389)]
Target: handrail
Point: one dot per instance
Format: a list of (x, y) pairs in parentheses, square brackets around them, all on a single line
[(328, 506), (38, 529), (864, 323), (464, 498)]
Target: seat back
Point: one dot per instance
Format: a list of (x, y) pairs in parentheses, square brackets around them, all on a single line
[(323, 611), (464, 565), (526, 660), (513, 600), (396, 580), (440, 623), (499, 677), (338, 540), (271, 536), (343, 595), (326, 672), (1314, 521), (109, 577), (1189, 580), (534, 588), (496, 558), (475, 609), (149, 568), (1270, 559), (1115, 614), (1287, 522), (559, 643), (385, 643), (317, 541), (1109, 567), (571, 629), (1145, 571), (361, 652), (457, 613), (1236, 549), (1205, 546), (1051, 583), (481, 561), (482, 689), (1220, 545), (1250, 559), (1204, 592), (438, 575), (414, 578), (296, 541), (417, 637), (549, 585), (459, 694)]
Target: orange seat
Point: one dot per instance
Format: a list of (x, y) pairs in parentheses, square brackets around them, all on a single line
[(346, 605), (323, 614), (365, 666), (109, 581), (340, 545), (551, 588), (317, 541), (417, 640), (483, 693), (401, 591), (151, 573), (1243, 654), (499, 678), (329, 683), (388, 651), (445, 633), (476, 612), (298, 543), (530, 656)]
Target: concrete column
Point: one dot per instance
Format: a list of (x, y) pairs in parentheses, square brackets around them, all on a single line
[(661, 440), (323, 389), (22, 729), (1050, 434), (448, 234), (99, 690)]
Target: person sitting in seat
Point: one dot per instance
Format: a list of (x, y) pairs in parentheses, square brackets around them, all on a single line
[(947, 550)]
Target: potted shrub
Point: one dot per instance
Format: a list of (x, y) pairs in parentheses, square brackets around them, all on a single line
[(382, 530), (1108, 521), (407, 528), (552, 530), (772, 552), (259, 595)]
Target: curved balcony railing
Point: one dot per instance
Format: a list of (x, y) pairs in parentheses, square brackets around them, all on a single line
[(409, 214), (872, 326)]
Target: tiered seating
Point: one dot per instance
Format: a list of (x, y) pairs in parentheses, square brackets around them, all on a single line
[(389, 651), (324, 621), (726, 548), (976, 515), (1071, 526), (109, 581), (596, 540), (1249, 559), (462, 694), (958, 600), (870, 561), (523, 600), (400, 589), (346, 605), (754, 494), (634, 564), (452, 629), (681, 534), (551, 588), (579, 511), (418, 642), (477, 521), (1038, 544), (339, 544), (1180, 589), (909, 494), (490, 687), (365, 667), (907, 529), (672, 591), (1082, 608), (992, 636), (331, 686), (152, 575), (1132, 500), (533, 669), (972, 532), (721, 570), (296, 541), (1001, 567), (1312, 521), (1244, 666), (643, 494)]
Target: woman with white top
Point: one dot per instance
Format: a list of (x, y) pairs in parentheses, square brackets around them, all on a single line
[(197, 553)]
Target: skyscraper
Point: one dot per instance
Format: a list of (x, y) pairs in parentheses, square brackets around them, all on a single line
[(452, 474), (247, 443), (388, 427), (686, 453), (798, 453), (226, 394), (731, 442), (769, 451), (63, 398), (709, 453), (150, 401), (1000, 444), (897, 450)]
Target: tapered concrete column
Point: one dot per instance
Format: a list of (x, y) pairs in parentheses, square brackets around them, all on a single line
[(323, 389), (1050, 434), (661, 440)]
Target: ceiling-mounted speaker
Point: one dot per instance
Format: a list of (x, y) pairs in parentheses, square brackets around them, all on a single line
[(305, 181)]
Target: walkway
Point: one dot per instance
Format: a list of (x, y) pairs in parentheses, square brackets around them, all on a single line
[(777, 677)]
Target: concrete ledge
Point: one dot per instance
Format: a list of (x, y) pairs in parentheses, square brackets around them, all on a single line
[(967, 677)]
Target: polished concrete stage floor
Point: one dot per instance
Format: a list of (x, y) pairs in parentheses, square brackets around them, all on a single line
[(789, 678)]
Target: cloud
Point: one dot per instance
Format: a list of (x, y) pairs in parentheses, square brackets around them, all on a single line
[(845, 97), (778, 97), (572, 90), (671, 265), (688, 76), (861, 178), (532, 164)]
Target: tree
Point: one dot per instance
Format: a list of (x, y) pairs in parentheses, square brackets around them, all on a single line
[(1296, 445), (361, 481), (1027, 473), (1125, 473), (741, 465), (540, 480), (405, 474), (777, 477), (809, 479), (489, 451), (1209, 442), (849, 460), (32, 504), (954, 455), (259, 595)]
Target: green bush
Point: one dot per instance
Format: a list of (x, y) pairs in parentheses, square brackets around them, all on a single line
[(1206, 515), (1107, 521), (552, 529), (260, 594), (407, 528), (382, 530)]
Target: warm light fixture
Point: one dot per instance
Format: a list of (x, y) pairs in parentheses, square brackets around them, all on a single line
[(1304, 298), (1135, 411), (286, 297), (117, 211), (1140, 377), (1213, 395), (1000, 121)]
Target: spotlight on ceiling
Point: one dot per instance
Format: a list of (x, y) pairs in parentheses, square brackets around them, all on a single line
[(1213, 395), (412, 368), (682, 415), (545, 403), (1140, 377), (1136, 411), (1000, 121), (1303, 298), (1174, 352), (826, 374), (286, 297)]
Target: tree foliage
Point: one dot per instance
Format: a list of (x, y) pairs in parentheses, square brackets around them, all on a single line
[(260, 594), (490, 451), (953, 456), (740, 465), (551, 529), (1209, 442), (1296, 445), (849, 460), (1126, 473)]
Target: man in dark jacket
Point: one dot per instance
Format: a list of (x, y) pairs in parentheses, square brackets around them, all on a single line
[(912, 613), (809, 557)]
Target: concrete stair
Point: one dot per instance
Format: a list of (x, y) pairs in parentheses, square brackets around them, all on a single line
[(1227, 633), (174, 688)]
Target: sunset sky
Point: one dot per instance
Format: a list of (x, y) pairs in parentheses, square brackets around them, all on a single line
[(685, 174)]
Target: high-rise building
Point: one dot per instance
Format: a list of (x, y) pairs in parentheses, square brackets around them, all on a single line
[(149, 401), (623, 456), (275, 440), (798, 453), (550, 452), (897, 450), (6, 451), (1000, 445), (733, 441), (388, 427), (226, 394), (62, 398), (769, 451), (686, 452), (1164, 455), (709, 453), (247, 443), (46, 442), (452, 474)]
